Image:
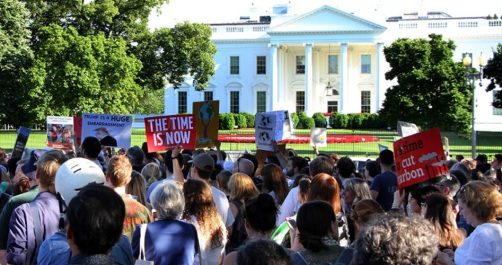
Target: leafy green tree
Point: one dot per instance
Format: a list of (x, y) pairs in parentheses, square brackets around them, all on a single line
[(431, 90), (15, 58), (493, 72), (152, 102)]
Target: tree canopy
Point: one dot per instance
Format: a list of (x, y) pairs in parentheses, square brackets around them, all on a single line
[(432, 89), (493, 72), (94, 57)]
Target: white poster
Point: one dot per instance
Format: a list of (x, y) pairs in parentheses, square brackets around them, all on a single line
[(406, 128), (319, 137), (273, 125), (111, 130), (60, 132)]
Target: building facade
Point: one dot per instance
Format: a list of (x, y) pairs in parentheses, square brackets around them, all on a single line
[(326, 60)]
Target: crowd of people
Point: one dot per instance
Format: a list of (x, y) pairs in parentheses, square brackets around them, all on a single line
[(199, 207)]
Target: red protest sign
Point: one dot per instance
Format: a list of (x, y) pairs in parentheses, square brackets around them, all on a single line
[(419, 157), (166, 132)]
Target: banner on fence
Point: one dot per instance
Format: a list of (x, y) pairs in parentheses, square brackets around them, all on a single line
[(167, 132), (60, 132), (419, 158), (271, 126), (111, 130), (207, 120), (22, 138), (319, 137), (406, 128)]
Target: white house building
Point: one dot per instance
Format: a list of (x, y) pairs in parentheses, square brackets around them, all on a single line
[(325, 60)]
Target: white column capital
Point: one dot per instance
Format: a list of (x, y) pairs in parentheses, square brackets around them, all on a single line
[(308, 44), (273, 45)]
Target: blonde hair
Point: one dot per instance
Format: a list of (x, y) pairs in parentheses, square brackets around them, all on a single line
[(119, 170), (48, 165), (137, 187), (241, 187), (151, 172), (482, 198)]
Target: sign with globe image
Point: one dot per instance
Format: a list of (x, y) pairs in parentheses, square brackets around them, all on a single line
[(207, 122)]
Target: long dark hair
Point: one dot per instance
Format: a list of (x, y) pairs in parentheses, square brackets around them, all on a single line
[(274, 180)]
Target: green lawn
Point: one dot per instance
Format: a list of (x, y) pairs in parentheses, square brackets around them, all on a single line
[(488, 143)]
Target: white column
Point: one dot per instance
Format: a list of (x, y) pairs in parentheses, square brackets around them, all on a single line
[(308, 79), (344, 79), (280, 83), (275, 76), (379, 77)]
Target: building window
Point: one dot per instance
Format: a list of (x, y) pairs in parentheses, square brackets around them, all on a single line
[(332, 64), (365, 101), (496, 111), (234, 101), (365, 64), (300, 64), (332, 106), (208, 95), (300, 101), (261, 101), (261, 65), (234, 65), (182, 102)]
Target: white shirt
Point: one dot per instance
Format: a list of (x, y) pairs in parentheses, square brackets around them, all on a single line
[(290, 206), (221, 202), (483, 246)]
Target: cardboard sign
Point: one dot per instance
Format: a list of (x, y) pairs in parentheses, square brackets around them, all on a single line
[(273, 125), (419, 158), (406, 128), (207, 120), (60, 133), (111, 130), (22, 138), (167, 132), (319, 137)]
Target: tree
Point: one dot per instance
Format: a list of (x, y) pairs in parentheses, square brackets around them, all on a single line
[(432, 90), (15, 58), (493, 72)]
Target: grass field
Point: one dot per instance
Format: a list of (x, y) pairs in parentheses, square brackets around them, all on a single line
[(488, 143)]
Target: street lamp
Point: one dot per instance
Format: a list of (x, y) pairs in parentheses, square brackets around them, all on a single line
[(472, 74)]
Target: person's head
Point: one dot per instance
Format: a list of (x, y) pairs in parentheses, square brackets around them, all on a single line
[(47, 166), (438, 210), (295, 165), (262, 252), (222, 180), (461, 172), (168, 200), (241, 187), (118, 172), (254, 160), (316, 220), (418, 197), (345, 167), (395, 240), (371, 170), (29, 167), (74, 174), (244, 165), (364, 210), (274, 180), (135, 155), (137, 187), (386, 158), (324, 187), (91, 147), (168, 161), (321, 164), (479, 202), (448, 185), (481, 159), (151, 172), (261, 214), (202, 166), (148, 156), (355, 190), (95, 217)]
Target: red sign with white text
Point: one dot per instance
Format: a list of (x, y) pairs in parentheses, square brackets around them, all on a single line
[(419, 157), (167, 132)]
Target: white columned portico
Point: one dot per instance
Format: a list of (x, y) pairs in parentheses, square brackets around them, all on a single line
[(308, 79), (379, 77), (344, 76), (275, 75)]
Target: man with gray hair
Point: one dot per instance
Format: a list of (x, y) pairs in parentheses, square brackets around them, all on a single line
[(396, 240)]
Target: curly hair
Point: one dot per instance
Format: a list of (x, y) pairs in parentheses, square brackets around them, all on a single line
[(482, 198), (396, 240), (199, 203)]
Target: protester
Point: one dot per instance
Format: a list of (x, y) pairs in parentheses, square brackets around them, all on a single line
[(151, 172), (262, 252), (136, 156), (385, 184), (137, 188), (90, 149), (274, 183), (168, 240), (363, 212)]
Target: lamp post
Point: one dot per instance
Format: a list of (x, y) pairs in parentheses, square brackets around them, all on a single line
[(472, 75)]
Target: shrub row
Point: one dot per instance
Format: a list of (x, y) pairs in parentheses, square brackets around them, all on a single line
[(229, 121)]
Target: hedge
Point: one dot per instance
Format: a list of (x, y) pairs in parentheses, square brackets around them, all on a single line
[(250, 119), (240, 120), (319, 120), (227, 121), (338, 120)]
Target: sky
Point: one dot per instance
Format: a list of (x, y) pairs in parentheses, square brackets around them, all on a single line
[(213, 11)]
